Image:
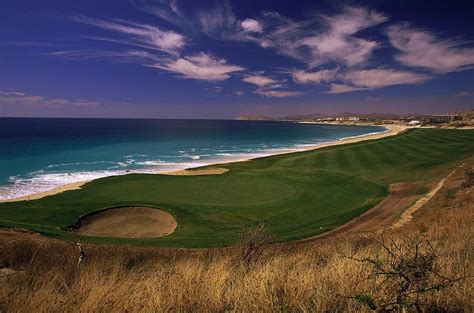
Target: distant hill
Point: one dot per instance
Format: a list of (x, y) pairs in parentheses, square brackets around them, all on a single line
[(468, 116), (312, 116), (315, 116), (254, 118)]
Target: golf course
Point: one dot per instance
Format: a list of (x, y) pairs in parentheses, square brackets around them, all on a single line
[(295, 195)]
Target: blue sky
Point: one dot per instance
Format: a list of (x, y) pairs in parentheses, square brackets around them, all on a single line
[(222, 59)]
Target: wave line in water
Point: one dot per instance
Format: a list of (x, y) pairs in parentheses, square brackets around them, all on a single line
[(153, 161)]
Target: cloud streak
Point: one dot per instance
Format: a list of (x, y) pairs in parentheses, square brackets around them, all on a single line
[(423, 49), (270, 87), (314, 41), (339, 43), (259, 80), (140, 35), (200, 66), (334, 50), (342, 88), (305, 78), (278, 93), (157, 48), (377, 78), (11, 97), (251, 25)]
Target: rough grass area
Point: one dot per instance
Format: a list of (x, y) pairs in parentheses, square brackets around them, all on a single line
[(41, 274), (296, 195)]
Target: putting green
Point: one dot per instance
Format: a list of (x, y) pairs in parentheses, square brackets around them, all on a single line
[(297, 195)]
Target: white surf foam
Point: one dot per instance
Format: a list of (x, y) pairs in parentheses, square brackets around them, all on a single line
[(42, 180)]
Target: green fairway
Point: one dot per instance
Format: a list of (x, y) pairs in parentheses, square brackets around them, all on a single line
[(297, 195)]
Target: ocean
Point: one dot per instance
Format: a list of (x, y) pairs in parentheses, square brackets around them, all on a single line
[(39, 154)]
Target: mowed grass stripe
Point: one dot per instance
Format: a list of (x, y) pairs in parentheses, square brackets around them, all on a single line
[(364, 158), (432, 138)]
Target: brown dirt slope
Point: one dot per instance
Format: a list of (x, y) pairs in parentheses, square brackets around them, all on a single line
[(380, 216)]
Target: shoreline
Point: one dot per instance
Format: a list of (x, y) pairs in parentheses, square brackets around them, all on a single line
[(391, 130)]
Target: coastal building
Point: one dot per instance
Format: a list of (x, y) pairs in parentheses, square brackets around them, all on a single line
[(447, 118), (414, 123), (348, 119)]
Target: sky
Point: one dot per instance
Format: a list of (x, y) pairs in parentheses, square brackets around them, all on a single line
[(223, 59)]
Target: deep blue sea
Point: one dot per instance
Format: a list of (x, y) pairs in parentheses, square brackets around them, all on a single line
[(38, 154)]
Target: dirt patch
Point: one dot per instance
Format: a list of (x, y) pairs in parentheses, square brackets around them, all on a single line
[(401, 188), (407, 215), (127, 222)]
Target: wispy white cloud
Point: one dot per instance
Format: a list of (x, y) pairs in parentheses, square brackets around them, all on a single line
[(12, 97), (158, 48), (278, 93), (168, 11), (304, 77), (314, 41), (342, 88), (339, 43), (140, 35), (334, 44), (377, 78), (218, 20), (259, 80), (281, 34), (238, 93), (251, 25), (423, 49), (201, 66), (214, 91), (356, 80), (463, 94), (270, 87), (98, 55)]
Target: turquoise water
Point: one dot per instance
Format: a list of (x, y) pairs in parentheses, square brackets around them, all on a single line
[(41, 154)]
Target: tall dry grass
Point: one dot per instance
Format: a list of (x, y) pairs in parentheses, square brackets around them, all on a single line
[(314, 276)]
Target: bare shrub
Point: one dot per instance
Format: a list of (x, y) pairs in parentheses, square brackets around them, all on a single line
[(450, 193), (468, 177), (253, 241), (80, 250), (402, 274)]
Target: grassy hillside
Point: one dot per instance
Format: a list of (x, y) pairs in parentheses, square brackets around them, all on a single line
[(39, 274), (296, 195)]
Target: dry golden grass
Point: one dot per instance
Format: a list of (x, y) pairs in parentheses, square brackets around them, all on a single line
[(314, 276)]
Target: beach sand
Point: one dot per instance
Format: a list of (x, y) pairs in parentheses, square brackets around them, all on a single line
[(393, 129), (54, 191)]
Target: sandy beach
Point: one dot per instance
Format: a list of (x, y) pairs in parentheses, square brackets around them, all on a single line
[(39, 195), (392, 129)]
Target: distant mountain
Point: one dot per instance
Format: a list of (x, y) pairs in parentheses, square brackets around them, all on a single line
[(254, 118), (386, 116), (315, 116), (312, 116), (467, 114)]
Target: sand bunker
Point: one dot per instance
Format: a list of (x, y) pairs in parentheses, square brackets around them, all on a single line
[(205, 171), (127, 222)]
